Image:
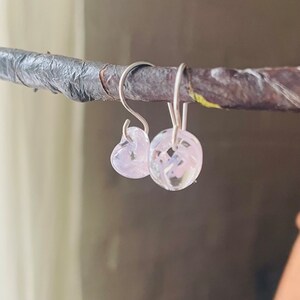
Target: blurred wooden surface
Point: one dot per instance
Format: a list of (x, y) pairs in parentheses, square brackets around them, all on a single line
[(228, 236)]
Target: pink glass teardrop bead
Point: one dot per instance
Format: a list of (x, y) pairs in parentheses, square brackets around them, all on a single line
[(130, 158), (175, 170)]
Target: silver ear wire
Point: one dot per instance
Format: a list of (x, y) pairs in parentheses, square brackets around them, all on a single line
[(184, 115), (174, 109), (123, 99)]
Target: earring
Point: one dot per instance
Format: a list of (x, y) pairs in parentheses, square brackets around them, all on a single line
[(175, 156), (130, 157)]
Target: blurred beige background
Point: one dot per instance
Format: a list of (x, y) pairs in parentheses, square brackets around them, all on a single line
[(228, 236), (41, 138)]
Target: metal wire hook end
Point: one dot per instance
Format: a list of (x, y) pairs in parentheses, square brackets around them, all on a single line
[(174, 109), (123, 99)]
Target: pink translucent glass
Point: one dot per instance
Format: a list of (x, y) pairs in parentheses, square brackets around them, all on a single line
[(130, 158), (175, 169)]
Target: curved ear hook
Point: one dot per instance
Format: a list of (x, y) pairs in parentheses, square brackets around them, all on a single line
[(123, 99), (175, 109)]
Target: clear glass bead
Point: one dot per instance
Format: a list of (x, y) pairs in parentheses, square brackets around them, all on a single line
[(130, 158), (175, 169)]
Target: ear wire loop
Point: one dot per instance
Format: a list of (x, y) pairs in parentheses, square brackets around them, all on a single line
[(174, 109), (123, 100)]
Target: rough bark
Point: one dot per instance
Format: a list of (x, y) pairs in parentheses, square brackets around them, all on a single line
[(260, 89)]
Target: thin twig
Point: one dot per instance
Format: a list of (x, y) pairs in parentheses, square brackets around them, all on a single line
[(260, 89)]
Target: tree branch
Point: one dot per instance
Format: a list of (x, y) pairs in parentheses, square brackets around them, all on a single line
[(263, 89)]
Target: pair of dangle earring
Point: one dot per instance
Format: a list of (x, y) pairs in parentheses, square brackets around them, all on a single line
[(174, 157)]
